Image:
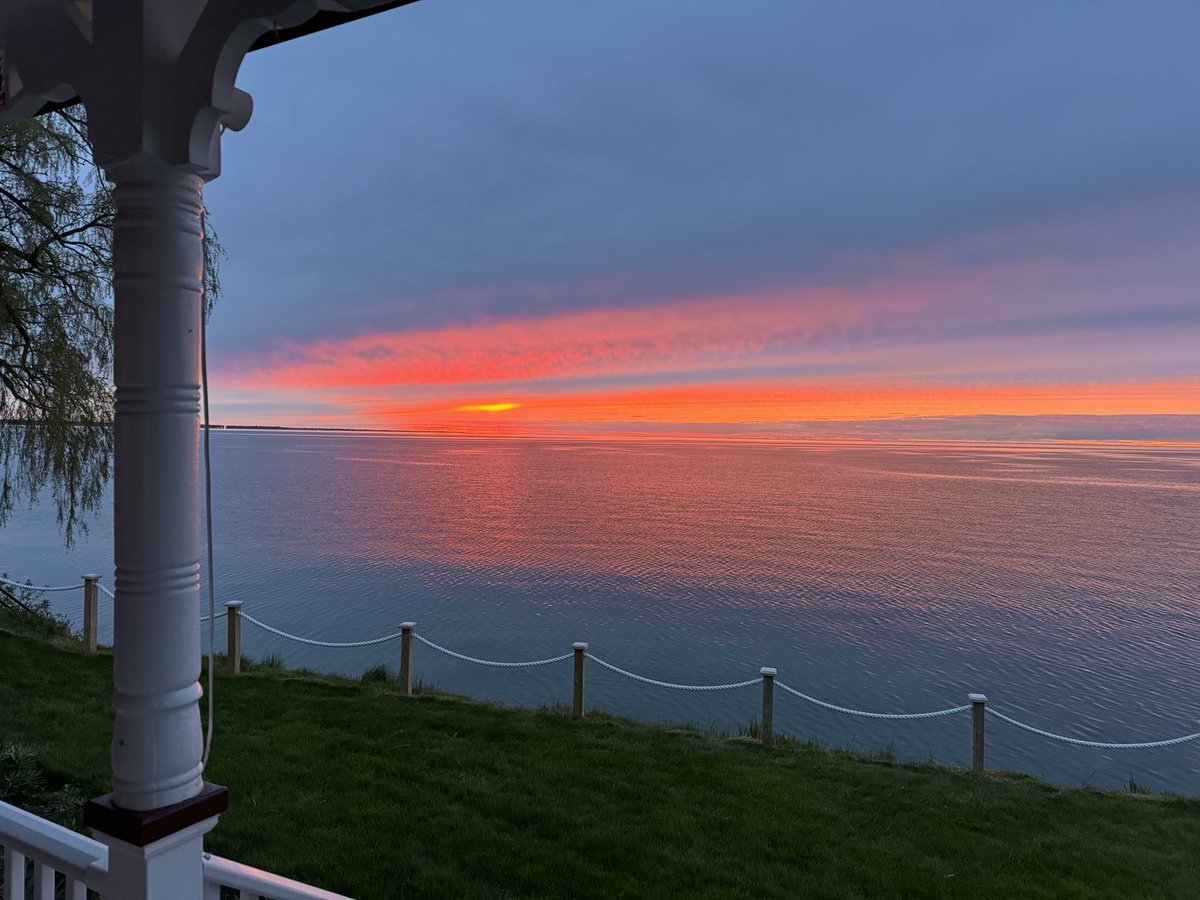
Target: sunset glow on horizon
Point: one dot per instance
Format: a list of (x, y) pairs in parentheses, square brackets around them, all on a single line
[(935, 347), (774, 404), (904, 238)]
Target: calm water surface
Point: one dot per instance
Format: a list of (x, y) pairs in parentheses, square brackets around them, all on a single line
[(1060, 580)]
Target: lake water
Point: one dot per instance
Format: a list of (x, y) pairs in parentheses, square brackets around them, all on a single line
[(1062, 580)]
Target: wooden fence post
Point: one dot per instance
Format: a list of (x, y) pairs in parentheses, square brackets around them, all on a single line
[(406, 644), (978, 711), (233, 625), (91, 612), (580, 649), (768, 710)]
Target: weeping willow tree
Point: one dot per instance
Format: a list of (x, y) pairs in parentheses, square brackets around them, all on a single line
[(56, 318)]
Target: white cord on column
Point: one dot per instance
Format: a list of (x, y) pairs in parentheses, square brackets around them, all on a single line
[(212, 601)]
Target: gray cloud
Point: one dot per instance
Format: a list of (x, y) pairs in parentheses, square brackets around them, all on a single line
[(465, 158)]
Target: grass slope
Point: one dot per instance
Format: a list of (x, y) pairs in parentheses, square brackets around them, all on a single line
[(352, 787)]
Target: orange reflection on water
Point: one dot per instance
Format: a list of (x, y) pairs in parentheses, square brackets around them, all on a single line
[(923, 526)]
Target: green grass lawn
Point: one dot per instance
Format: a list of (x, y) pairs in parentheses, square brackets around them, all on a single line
[(350, 786)]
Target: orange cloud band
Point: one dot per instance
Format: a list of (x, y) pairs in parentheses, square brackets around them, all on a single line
[(665, 338)]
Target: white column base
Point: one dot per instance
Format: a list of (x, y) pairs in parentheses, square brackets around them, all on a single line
[(168, 869)]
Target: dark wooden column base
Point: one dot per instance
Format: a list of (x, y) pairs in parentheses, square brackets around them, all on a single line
[(145, 826)]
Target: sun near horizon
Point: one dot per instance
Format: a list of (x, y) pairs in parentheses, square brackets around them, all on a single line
[(486, 407)]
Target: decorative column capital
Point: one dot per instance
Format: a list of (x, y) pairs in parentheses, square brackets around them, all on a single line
[(157, 78)]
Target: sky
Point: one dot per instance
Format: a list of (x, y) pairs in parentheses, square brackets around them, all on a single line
[(690, 216)]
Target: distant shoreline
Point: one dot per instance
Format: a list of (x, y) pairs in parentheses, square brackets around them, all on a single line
[(725, 438)]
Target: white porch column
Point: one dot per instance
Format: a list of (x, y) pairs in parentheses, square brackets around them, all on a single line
[(156, 745), (157, 79)]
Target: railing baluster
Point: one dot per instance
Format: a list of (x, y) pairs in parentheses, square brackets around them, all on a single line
[(76, 890), (14, 874), (43, 881)]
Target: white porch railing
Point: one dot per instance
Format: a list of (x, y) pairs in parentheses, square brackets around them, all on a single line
[(61, 858), (57, 853), (255, 884)]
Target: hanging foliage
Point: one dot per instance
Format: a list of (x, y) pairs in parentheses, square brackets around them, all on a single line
[(56, 317)]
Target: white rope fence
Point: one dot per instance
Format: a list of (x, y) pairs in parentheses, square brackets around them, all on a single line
[(337, 645), (767, 679), (977, 705), (1103, 745), (495, 664), (82, 583), (671, 685), (862, 713), (42, 587)]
